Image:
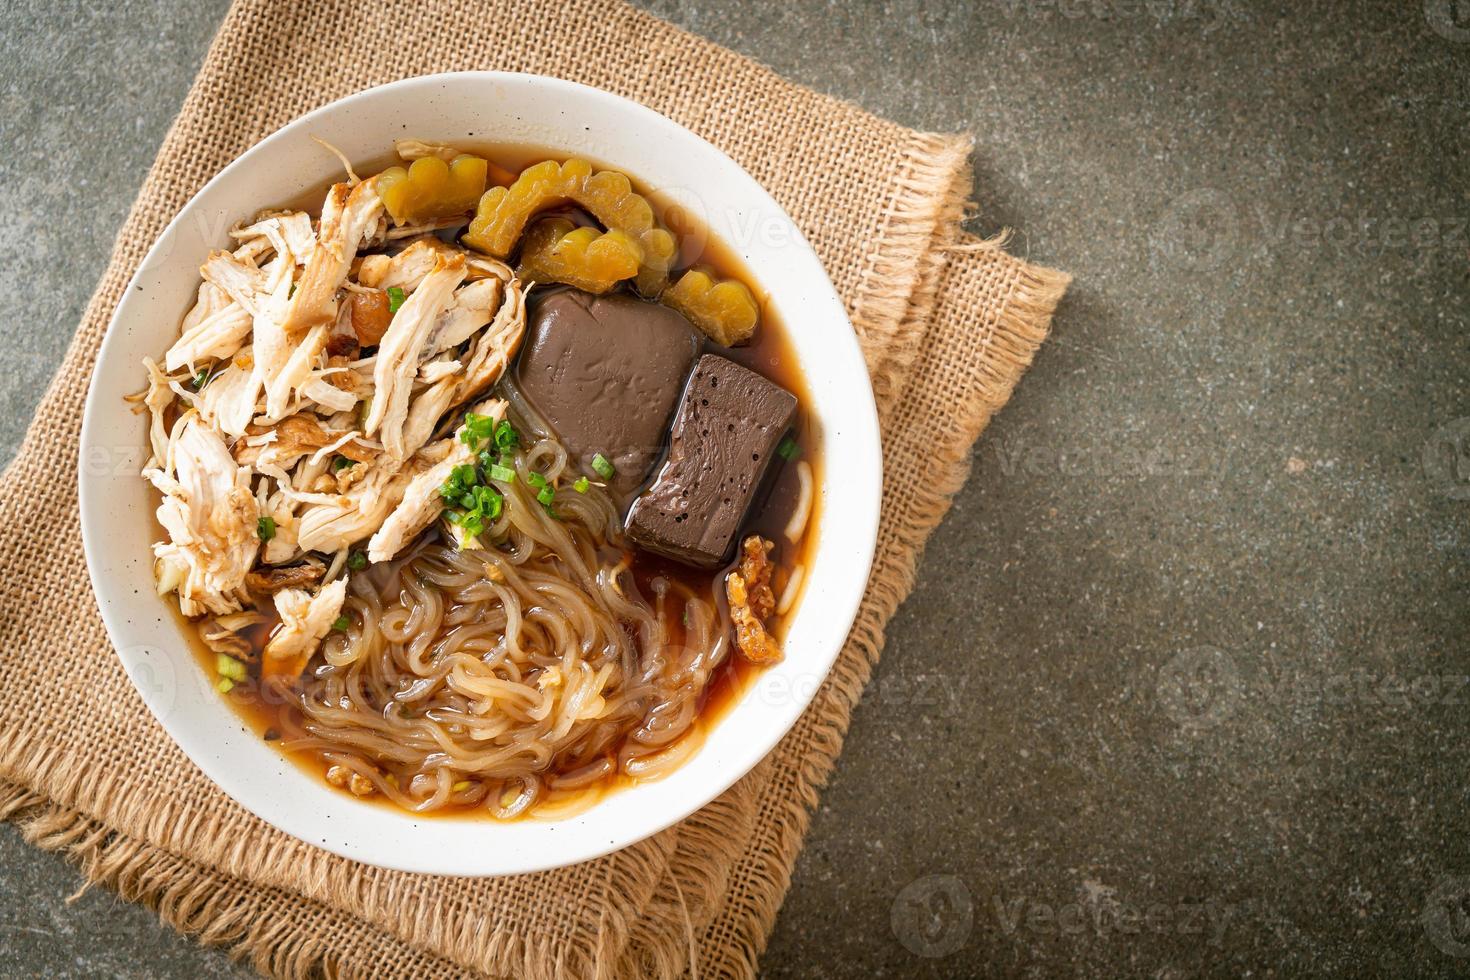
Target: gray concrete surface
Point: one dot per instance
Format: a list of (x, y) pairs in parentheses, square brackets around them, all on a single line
[(1181, 690)]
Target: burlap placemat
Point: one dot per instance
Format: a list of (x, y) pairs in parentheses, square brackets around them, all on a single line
[(947, 323)]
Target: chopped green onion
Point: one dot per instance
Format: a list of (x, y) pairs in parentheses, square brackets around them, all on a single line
[(364, 409), (546, 495), (265, 528), (461, 479), (200, 380), (228, 667), (341, 623), (481, 506), (603, 466), (224, 685), (788, 450), (477, 428), (506, 437), (582, 484), (395, 298), (356, 561), (342, 462), (536, 479), (489, 501), (502, 473)]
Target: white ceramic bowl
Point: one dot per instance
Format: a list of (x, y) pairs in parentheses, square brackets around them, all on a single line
[(116, 504)]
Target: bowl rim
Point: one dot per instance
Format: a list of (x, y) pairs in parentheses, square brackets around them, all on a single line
[(860, 537)]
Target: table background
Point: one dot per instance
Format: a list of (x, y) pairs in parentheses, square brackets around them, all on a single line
[(1182, 689)]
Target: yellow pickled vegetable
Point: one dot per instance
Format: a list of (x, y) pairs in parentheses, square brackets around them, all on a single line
[(504, 212), (430, 189), (724, 309), (555, 250)]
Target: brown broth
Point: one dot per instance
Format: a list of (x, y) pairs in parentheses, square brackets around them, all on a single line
[(769, 353)]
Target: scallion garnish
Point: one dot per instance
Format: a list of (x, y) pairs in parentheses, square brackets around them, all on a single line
[(224, 685), (546, 495), (356, 561), (482, 506), (502, 473), (342, 462), (229, 668), (200, 380), (603, 466), (341, 623), (582, 484), (477, 428), (395, 298), (461, 479), (265, 528), (506, 437), (536, 479), (789, 449)]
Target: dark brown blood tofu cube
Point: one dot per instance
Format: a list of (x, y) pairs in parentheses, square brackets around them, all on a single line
[(605, 372), (725, 433)]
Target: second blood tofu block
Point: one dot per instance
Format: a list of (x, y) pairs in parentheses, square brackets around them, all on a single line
[(725, 432)]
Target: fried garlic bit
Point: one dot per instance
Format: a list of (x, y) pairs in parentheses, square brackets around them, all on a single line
[(752, 602), (350, 780), (725, 310), (504, 212), (558, 251), (431, 188)]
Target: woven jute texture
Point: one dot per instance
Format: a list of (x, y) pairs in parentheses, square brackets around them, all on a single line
[(947, 324)]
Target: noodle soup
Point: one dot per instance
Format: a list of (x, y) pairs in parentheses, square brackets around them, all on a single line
[(470, 583)]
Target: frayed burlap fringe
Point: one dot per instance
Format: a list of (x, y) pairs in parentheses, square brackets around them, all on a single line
[(278, 933), (927, 303)]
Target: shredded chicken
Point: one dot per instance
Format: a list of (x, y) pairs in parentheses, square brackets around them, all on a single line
[(294, 418), (295, 437), (243, 282), (294, 227), (305, 619), (472, 307), (421, 504), (228, 401), (748, 588), (351, 517), (210, 517), (488, 357), (347, 215), (213, 330), (408, 268), (399, 352)]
